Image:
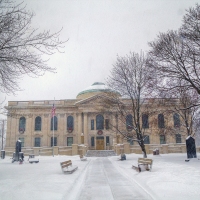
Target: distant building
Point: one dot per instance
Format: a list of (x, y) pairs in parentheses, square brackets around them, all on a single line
[(77, 121)]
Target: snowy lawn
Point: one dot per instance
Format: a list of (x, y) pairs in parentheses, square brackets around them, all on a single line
[(171, 177)]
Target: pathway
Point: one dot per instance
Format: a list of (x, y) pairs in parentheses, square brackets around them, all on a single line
[(103, 181)]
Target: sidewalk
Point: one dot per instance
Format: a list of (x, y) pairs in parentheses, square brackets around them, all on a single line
[(103, 181)]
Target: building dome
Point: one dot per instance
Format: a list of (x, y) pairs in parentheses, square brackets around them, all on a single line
[(95, 88)]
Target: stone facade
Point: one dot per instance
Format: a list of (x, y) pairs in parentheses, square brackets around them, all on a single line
[(83, 111)]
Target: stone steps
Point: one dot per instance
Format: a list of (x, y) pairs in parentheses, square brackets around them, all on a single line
[(100, 153)]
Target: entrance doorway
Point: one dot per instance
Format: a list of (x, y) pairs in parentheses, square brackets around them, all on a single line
[(99, 143)]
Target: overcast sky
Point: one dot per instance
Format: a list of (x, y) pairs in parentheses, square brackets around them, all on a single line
[(97, 31)]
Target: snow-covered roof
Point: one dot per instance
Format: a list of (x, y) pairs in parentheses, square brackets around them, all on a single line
[(96, 87)]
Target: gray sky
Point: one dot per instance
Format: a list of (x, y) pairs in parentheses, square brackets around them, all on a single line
[(97, 30)]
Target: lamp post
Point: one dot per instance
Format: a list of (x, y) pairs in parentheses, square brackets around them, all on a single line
[(82, 138)]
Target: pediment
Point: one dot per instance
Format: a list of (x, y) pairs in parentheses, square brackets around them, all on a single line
[(94, 100)]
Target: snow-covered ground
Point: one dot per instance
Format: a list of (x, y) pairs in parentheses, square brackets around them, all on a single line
[(101, 178)]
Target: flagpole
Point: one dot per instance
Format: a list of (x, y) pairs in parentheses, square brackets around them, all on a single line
[(53, 124)]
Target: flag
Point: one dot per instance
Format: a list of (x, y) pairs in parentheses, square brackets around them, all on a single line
[(53, 111)]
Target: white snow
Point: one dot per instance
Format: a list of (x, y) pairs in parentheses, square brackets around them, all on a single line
[(188, 137), (171, 178)]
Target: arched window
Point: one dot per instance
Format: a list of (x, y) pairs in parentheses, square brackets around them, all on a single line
[(22, 124), (70, 123), (99, 122), (38, 123), (145, 121), (129, 122), (55, 123), (176, 120), (161, 121)]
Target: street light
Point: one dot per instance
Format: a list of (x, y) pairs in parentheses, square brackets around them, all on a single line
[(82, 138)]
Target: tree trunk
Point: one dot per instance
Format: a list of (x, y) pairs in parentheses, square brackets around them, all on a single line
[(143, 150)]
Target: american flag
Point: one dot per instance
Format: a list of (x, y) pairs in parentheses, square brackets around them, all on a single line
[(53, 111)]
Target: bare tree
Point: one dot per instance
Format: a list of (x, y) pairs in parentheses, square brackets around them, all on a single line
[(2, 133), (186, 110), (129, 77), (175, 55), (181, 109), (196, 126), (22, 47), (190, 29)]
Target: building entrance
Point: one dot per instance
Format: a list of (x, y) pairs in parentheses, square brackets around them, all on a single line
[(100, 143)]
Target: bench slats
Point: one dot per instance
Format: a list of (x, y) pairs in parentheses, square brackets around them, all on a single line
[(145, 161), (67, 167)]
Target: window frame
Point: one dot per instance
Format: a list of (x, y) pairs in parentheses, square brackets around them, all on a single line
[(161, 121), (92, 141), (70, 142), (147, 140), (70, 123), (177, 122), (55, 141), (107, 141), (39, 124), (55, 123), (162, 138), (130, 141), (35, 142), (178, 138), (145, 121), (92, 124), (107, 124), (99, 122), (22, 124), (129, 122)]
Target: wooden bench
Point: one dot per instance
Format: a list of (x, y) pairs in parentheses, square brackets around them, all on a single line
[(145, 161), (83, 158), (67, 167), (33, 160)]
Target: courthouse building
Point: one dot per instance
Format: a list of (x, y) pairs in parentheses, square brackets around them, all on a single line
[(76, 121)]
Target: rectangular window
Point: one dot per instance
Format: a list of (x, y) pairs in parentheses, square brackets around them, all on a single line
[(92, 124), (37, 142), (69, 141), (107, 140), (55, 141), (176, 120), (178, 138), (92, 141), (107, 124), (130, 141), (54, 123), (146, 139), (22, 142), (162, 139), (161, 121)]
